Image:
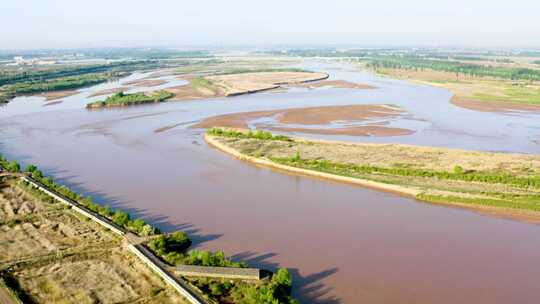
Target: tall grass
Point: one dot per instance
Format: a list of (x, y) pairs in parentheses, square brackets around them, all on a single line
[(492, 202), (259, 134), (458, 173)]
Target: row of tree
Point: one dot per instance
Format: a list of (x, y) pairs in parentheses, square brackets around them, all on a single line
[(414, 62)]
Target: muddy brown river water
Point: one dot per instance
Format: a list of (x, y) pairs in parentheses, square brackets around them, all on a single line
[(343, 243)]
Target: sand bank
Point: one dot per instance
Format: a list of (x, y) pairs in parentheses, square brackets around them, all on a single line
[(502, 198), (493, 106), (316, 116), (53, 95)]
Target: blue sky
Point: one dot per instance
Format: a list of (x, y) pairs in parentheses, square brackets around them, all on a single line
[(76, 23)]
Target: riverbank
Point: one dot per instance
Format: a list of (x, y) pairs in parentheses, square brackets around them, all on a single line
[(486, 94), (53, 254), (29, 199), (502, 184)]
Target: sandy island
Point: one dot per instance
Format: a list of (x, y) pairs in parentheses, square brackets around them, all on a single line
[(493, 106), (237, 84), (244, 83), (325, 115), (485, 197)]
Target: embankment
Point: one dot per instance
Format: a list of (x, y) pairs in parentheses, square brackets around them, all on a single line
[(267, 163)]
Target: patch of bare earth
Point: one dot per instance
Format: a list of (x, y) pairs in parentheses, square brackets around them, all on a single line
[(53, 95), (316, 116), (57, 256), (242, 83), (191, 92), (493, 106)]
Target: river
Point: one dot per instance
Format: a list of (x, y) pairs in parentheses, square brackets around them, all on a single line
[(342, 243)]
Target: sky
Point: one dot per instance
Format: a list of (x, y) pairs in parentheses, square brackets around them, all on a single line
[(97, 23)]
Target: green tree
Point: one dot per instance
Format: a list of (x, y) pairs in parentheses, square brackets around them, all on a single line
[(121, 218)]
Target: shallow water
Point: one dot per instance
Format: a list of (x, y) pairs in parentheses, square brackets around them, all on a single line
[(345, 244)]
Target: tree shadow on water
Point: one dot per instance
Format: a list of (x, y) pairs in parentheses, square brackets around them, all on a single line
[(310, 289), (307, 289)]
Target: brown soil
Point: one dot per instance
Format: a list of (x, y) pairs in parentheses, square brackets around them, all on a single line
[(328, 114), (350, 131), (58, 94), (146, 82), (341, 84), (316, 116), (238, 84), (57, 256), (189, 92), (243, 83), (493, 106), (109, 91)]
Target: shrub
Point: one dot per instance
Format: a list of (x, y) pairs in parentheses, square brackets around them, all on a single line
[(121, 218), (259, 134)]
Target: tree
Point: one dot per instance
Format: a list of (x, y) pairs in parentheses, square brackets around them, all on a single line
[(121, 218)]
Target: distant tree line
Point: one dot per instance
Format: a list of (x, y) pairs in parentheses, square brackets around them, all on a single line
[(417, 63)]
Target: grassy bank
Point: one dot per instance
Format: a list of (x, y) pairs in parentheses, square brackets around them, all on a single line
[(469, 85), (121, 99), (504, 182)]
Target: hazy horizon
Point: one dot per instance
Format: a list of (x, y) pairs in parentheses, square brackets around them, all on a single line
[(33, 24)]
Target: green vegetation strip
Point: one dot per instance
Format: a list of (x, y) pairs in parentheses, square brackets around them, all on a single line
[(58, 84), (458, 174), (62, 78), (415, 62), (259, 134), (121, 218), (121, 99), (203, 83), (400, 176), (173, 249), (491, 202)]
